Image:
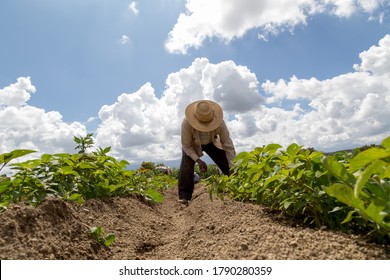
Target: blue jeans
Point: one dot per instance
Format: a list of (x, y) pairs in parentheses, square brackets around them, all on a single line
[(187, 165)]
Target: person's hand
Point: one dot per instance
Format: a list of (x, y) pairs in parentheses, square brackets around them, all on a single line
[(202, 165)]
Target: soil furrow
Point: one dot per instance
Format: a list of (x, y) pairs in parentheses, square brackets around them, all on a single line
[(204, 229)]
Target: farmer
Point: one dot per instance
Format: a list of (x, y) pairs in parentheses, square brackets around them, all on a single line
[(203, 129)]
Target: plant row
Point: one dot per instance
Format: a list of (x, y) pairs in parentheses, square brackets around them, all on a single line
[(346, 191), (77, 177)]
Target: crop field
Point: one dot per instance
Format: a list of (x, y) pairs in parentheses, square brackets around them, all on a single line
[(291, 203), (346, 191)]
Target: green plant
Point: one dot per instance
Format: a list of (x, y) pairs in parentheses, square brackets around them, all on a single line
[(83, 142), (288, 180), (348, 190), (7, 157), (364, 185), (291, 181), (101, 237), (5, 181), (79, 177)]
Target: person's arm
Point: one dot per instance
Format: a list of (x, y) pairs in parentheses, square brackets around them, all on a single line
[(227, 143), (187, 140)]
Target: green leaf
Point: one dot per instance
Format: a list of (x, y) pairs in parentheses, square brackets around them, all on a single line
[(4, 185), (86, 165), (271, 179), (68, 170), (349, 217), (287, 204), (30, 164), (75, 157), (293, 149), (256, 177), (242, 159), (299, 176), (373, 212), (318, 174), (336, 168), (7, 157), (96, 231), (386, 143), (376, 167), (68, 161), (337, 208), (113, 188), (271, 148), (100, 172), (315, 155), (387, 172), (377, 191), (366, 157), (344, 193), (123, 163), (78, 198), (154, 195), (109, 239), (45, 158), (242, 156)]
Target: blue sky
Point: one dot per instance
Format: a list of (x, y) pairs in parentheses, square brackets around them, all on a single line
[(71, 50), (283, 71)]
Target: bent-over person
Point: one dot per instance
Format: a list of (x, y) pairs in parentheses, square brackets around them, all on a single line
[(203, 130)]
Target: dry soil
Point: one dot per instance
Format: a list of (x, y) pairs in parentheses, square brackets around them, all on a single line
[(204, 230)]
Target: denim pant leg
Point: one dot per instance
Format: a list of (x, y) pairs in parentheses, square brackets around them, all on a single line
[(186, 177), (218, 156)]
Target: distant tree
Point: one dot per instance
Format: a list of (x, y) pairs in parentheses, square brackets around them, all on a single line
[(148, 165)]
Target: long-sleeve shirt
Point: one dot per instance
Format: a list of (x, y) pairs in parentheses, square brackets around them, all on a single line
[(192, 146)]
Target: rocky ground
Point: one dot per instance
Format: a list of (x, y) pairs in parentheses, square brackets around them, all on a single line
[(204, 229)]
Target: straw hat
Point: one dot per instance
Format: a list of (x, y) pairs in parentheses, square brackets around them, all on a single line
[(204, 115)]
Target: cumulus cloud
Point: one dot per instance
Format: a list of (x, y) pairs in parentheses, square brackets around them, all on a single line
[(27, 127), (230, 19), (345, 8), (133, 8), (376, 59), (345, 111), (141, 126), (17, 94)]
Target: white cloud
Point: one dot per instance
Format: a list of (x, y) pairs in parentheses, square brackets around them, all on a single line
[(346, 111), (142, 127), (124, 40), (342, 112), (230, 19), (377, 58), (17, 94), (346, 8), (234, 87), (133, 8), (27, 127)]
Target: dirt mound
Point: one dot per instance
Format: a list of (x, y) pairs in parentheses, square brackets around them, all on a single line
[(204, 229)]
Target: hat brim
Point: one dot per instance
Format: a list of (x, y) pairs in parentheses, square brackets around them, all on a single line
[(201, 126)]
